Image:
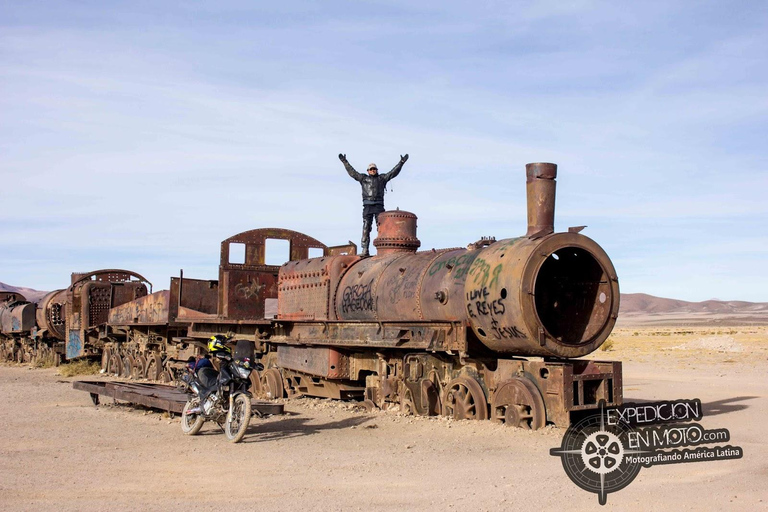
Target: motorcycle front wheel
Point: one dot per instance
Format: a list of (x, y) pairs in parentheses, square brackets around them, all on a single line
[(191, 423), (238, 418)]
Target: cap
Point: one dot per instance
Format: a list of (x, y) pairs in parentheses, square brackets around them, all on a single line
[(372, 166)]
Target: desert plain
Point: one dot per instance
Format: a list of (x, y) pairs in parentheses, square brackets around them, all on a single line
[(60, 452)]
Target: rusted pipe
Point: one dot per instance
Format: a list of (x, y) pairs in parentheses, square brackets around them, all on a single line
[(540, 192)]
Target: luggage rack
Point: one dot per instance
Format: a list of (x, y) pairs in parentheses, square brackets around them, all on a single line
[(156, 396)]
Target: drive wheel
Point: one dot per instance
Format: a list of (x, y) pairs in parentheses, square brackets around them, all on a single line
[(272, 384), (191, 423), (238, 418), (166, 377), (464, 399), (127, 367), (256, 388), (119, 366), (106, 354), (406, 402), (154, 367), (114, 365), (517, 403), (139, 366)]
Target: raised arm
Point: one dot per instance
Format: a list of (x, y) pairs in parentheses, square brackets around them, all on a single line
[(350, 170), (396, 169)]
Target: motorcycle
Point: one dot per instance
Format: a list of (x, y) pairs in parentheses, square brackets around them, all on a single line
[(221, 396)]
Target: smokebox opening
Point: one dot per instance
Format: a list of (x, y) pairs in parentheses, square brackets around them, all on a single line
[(571, 296)]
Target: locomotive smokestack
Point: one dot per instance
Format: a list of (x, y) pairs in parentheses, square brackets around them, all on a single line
[(540, 191), (396, 233)]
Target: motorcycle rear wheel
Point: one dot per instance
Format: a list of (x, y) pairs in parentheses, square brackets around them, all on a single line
[(238, 418), (191, 423)]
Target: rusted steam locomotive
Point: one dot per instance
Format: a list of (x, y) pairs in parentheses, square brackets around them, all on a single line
[(65, 323), (486, 331)]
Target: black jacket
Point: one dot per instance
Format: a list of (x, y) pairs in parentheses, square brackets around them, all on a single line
[(373, 186)]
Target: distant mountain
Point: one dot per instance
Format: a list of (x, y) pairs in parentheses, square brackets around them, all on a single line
[(641, 308), (636, 309), (30, 294)]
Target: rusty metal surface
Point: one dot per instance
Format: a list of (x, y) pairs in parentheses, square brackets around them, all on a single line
[(12, 297), (107, 275), (192, 299), (444, 336), (148, 310), (305, 287), (540, 191), (16, 317), (51, 314), (396, 233), (88, 301), (321, 361), (157, 396), (553, 296), (244, 287)]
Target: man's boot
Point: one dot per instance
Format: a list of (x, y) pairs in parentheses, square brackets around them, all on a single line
[(366, 237)]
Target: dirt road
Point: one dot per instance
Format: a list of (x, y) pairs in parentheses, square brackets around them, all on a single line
[(59, 452)]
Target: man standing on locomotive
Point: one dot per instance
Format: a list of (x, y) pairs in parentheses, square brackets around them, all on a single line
[(374, 185)]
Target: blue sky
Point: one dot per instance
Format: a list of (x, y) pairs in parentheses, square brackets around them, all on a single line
[(141, 134)]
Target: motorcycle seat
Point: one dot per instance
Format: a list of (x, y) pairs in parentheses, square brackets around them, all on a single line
[(207, 377)]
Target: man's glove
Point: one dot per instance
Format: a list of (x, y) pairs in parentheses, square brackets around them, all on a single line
[(403, 158), (343, 158)]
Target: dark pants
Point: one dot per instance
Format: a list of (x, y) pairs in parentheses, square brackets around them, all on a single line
[(370, 212)]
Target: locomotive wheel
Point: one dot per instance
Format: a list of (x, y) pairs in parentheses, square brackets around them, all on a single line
[(272, 384), (406, 402), (139, 368), (127, 367), (114, 365), (464, 399), (106, 354), (118, 369), (517, 403), (256, 388), (154, 367), (166, 376)]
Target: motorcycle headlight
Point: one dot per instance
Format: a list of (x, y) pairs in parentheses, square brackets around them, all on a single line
[(243, 373)]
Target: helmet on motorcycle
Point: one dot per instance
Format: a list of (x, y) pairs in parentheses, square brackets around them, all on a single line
[(216, 344)]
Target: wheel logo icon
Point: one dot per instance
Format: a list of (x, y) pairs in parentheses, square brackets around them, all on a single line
[(594, 455), (602, 452)]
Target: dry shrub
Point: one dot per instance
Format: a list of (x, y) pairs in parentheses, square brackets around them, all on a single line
[(608, 345), (80, 367), (44, 363)]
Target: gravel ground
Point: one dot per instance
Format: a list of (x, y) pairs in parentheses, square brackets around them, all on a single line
[(59, 452)]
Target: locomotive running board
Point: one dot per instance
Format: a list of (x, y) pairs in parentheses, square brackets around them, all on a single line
[(156, 396)]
